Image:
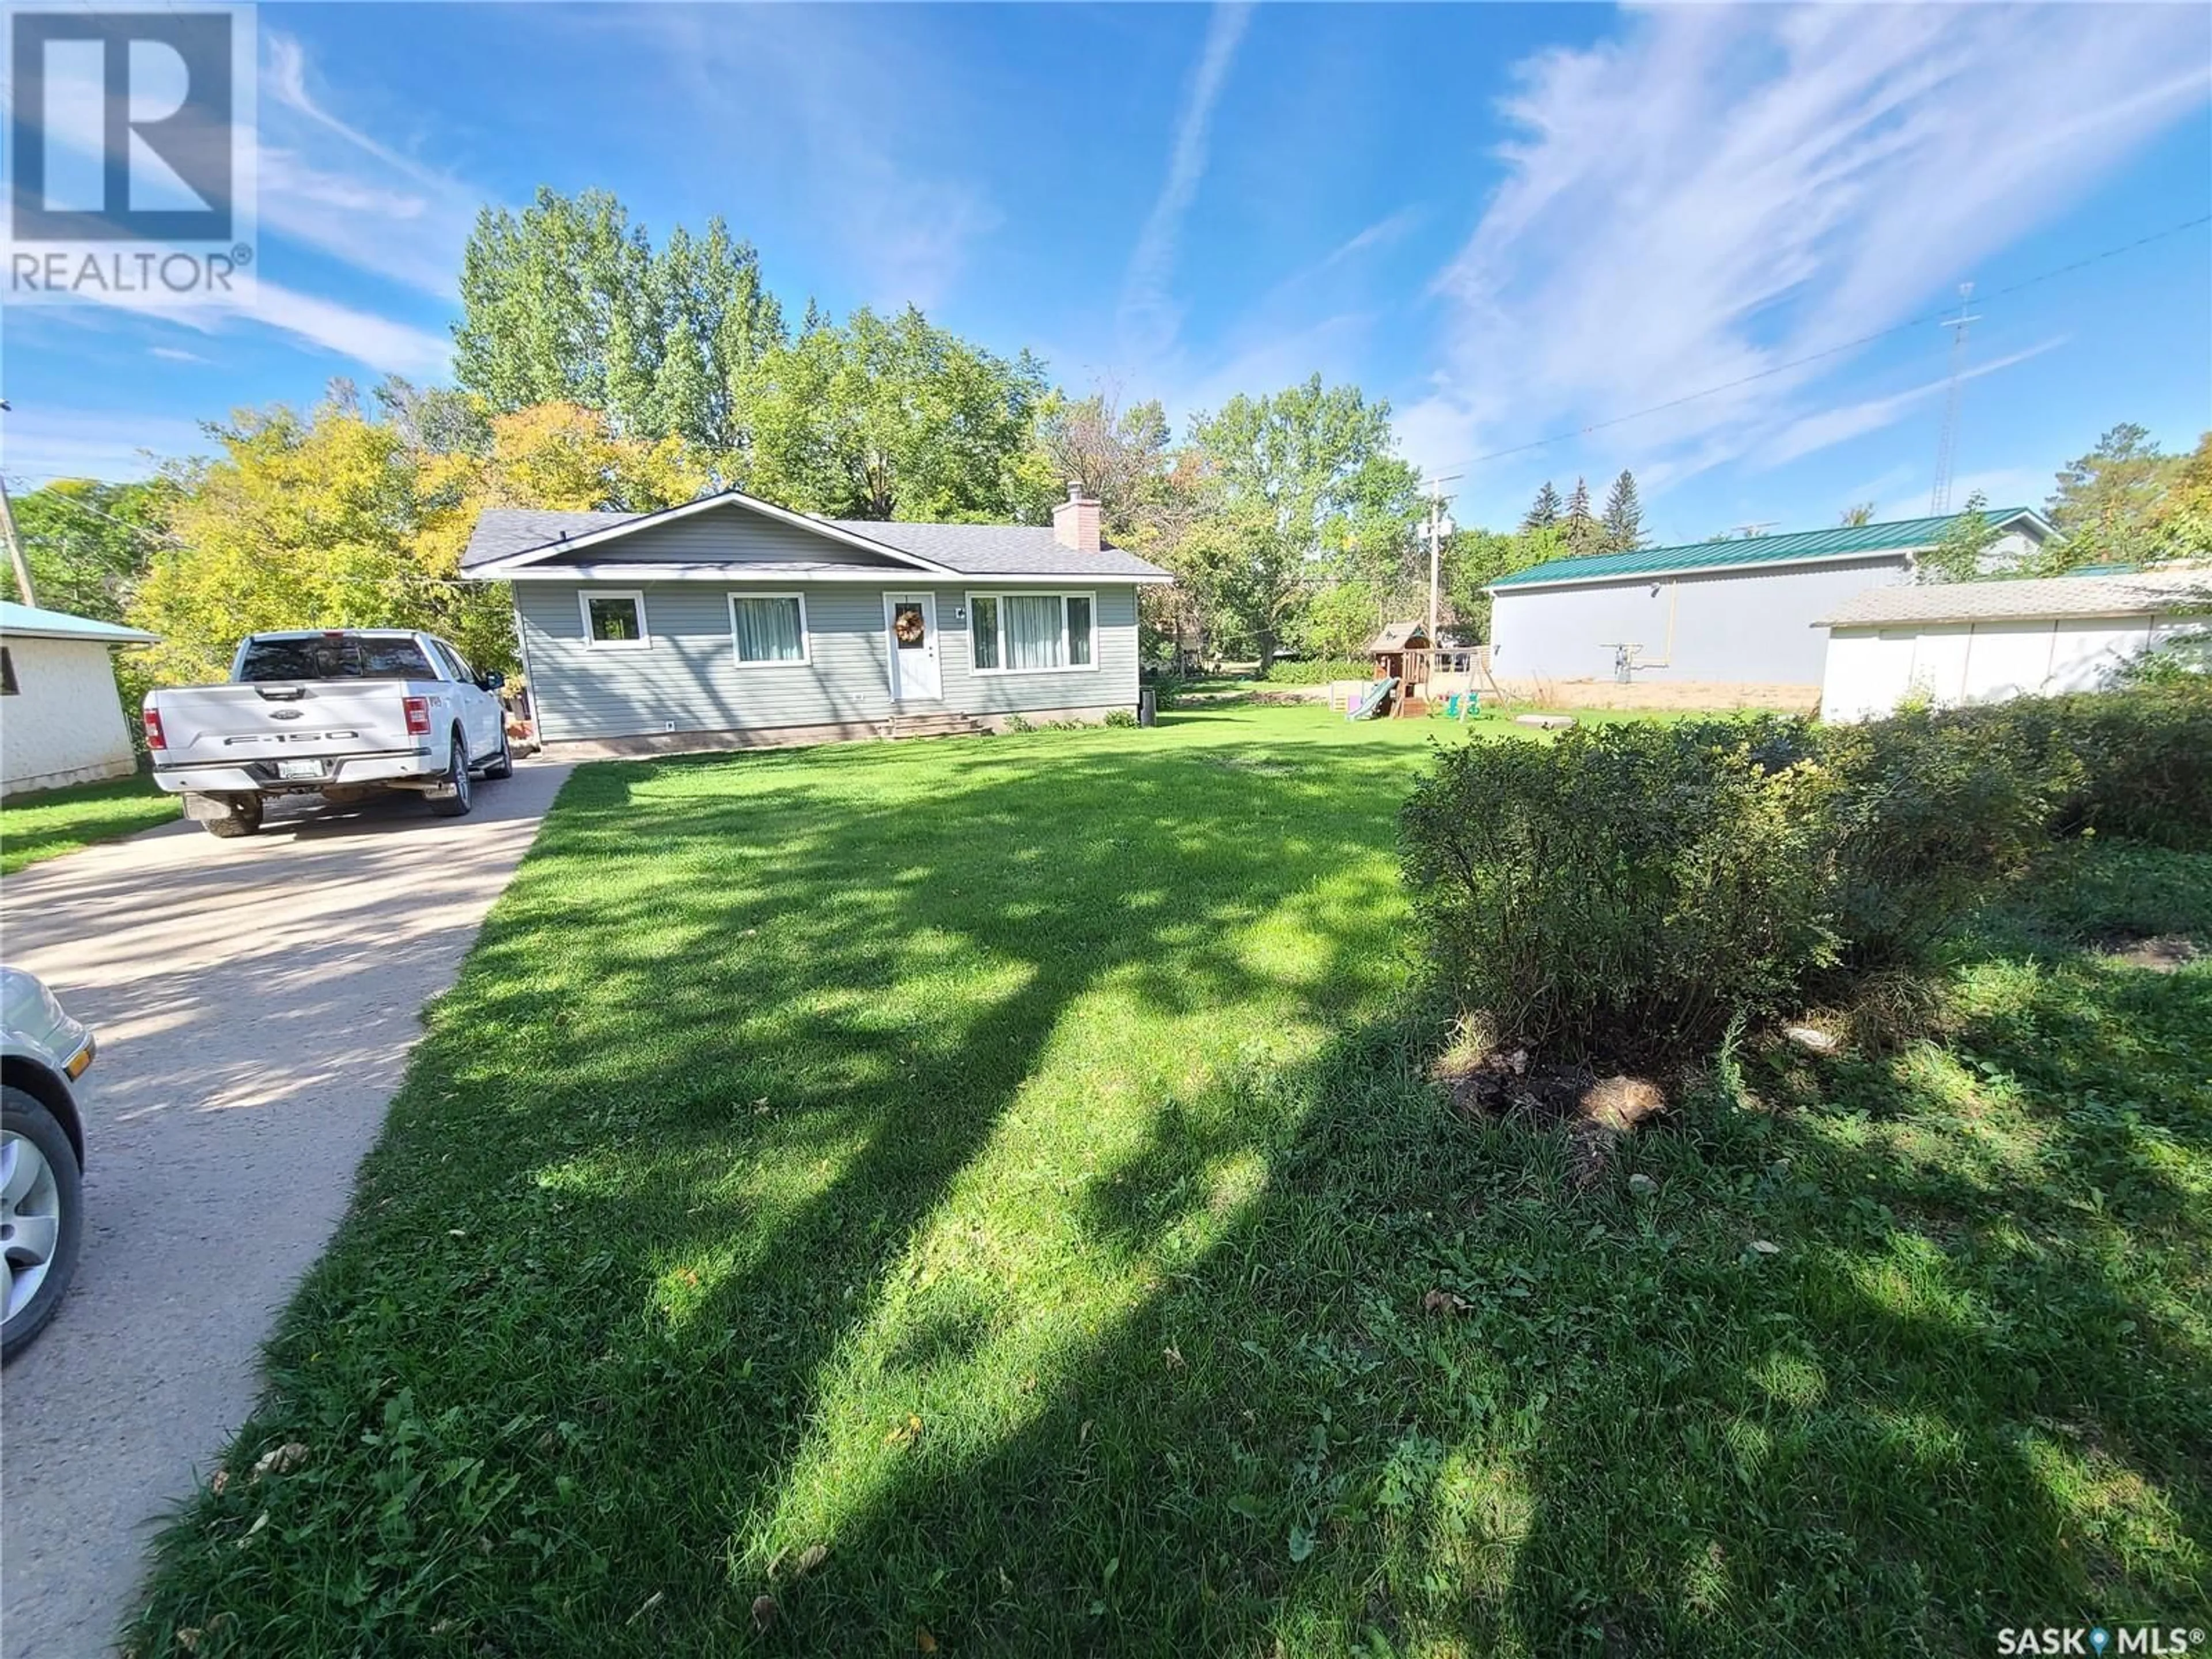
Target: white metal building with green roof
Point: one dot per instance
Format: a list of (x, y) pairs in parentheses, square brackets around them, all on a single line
[(1723, 613)]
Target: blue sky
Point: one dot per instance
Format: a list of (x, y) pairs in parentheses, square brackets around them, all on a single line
[(1509, 221)]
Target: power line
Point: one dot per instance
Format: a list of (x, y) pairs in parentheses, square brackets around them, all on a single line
[(138, 529), (1829, 351)]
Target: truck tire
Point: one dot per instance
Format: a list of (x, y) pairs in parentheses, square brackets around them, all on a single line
[(242, 819), (502, 764), (42, 1219), (456, 801)]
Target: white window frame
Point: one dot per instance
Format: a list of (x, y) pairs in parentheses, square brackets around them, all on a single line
[(805, 657), (1000, 595), (636, 596)]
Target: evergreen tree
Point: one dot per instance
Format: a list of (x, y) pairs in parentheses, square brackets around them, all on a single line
[(1623, 523), (1544, 513), (1584, 533)]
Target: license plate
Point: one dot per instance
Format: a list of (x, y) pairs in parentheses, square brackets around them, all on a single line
[(299, 768)]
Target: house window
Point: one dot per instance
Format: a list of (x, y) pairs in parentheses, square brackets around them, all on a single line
[(1031, 633), (768, 629), (8, 686), (614, 619), (983, 629)]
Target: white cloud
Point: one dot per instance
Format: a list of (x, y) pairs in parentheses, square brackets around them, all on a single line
[(1809, 433), (824, 96), (375, 342), (332, 186), (1722, 190), (40, 445), (175, 354), (1148, 319)]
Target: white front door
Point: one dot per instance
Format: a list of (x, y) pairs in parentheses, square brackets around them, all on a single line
[(912, 621)]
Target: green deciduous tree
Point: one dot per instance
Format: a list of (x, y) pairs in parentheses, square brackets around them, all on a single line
[(1959, 556), (892, 417), (87, 542), (1476, 558), (334, 519), (1115, 454), (1299, 489), (568, 302), (1859, 513)]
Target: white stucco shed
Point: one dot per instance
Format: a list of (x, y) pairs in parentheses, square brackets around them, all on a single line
[(60, 718), (1983, 642)]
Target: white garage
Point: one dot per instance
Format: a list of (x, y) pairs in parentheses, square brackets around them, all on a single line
[(1983, 642), (61, 719)]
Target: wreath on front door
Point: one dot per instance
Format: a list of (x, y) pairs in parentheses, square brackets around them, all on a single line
[(907, 628)]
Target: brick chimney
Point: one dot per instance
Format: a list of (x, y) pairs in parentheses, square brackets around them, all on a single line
[(1075, 521)]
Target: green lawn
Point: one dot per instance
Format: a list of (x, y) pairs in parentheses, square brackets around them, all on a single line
[(57, 821), (981, 1194)]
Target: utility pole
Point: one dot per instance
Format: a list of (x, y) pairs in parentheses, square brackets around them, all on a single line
[(7, 530), (1939, 498), (1436, 547)]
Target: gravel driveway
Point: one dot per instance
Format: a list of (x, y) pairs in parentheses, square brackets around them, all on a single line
[(255, 1002)]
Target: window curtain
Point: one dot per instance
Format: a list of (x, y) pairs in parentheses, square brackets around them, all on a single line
[(1032, 631), (983, 630), (1078, 631), (768, 630)]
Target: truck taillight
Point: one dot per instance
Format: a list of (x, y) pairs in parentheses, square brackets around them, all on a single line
[(153, 724), (418, 715)]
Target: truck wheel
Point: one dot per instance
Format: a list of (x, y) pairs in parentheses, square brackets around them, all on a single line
[(241, 816), (455, 802), (41, 1216), (502, 765)]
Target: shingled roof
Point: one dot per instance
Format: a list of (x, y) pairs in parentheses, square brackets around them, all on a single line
[(2151, 593), (967, 549)]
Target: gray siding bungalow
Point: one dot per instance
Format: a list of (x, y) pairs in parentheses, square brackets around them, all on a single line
[(1719, 614), (730, 623)]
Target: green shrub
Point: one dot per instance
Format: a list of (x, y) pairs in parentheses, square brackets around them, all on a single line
[(1921, 816), (1317, 672), (1621, 895), (1121, 717), (2135, 763), (1020, 723)]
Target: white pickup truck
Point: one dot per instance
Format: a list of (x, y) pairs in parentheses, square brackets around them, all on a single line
[(341, 713)]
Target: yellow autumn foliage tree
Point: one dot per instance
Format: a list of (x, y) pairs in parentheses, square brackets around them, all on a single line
[(334, 519)]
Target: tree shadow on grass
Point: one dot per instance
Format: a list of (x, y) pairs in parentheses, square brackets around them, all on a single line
[(732, 1039), (1947, 1404)]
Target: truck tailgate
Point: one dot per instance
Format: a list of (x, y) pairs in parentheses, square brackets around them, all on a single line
[(282, 719)]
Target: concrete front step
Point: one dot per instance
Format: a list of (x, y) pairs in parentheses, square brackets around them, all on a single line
[(946, 725)]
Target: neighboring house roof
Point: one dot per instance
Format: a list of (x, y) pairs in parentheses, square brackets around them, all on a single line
[(2151, 592), (29, 621), (1852, 541), (1397, 636), (507, 539)]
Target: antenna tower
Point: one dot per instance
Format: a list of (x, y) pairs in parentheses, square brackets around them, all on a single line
[(1939, 497)]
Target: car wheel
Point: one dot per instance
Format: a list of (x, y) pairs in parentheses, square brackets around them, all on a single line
[(455, 802), (41, 1216), (243, 818), (502, 765)]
